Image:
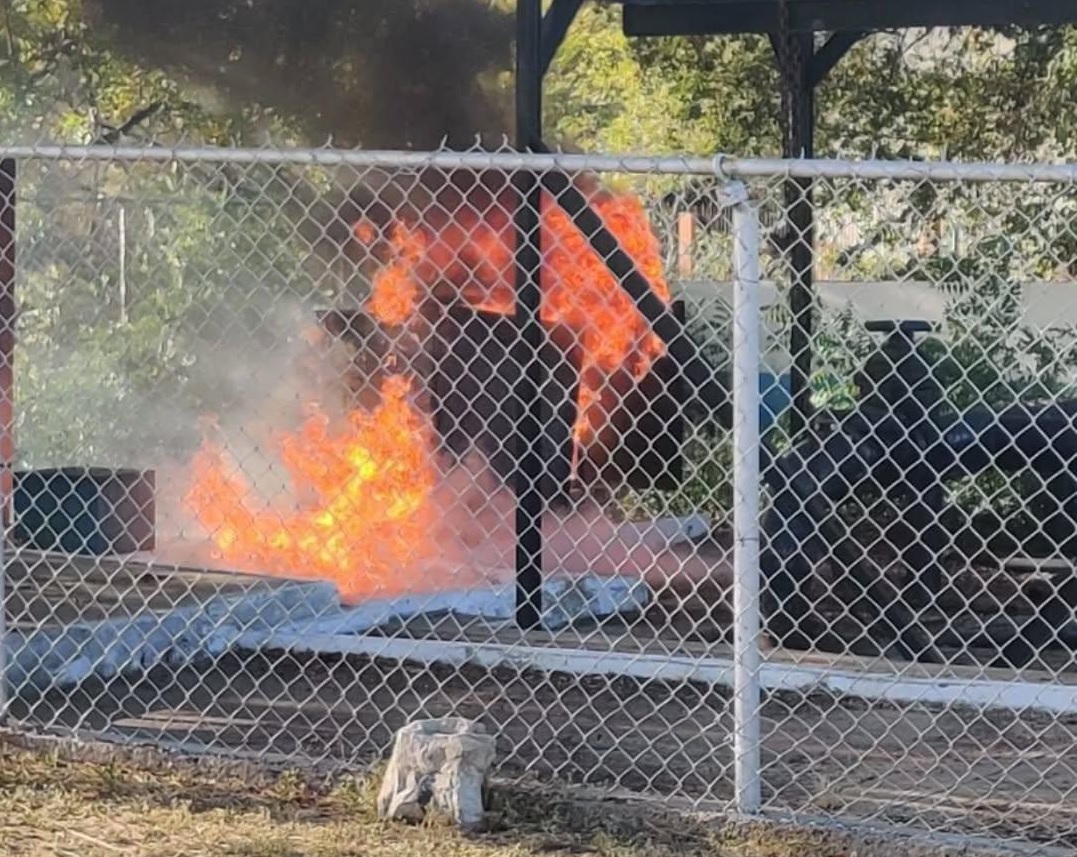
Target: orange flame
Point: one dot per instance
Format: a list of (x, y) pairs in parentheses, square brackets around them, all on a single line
[(395, 293), (367, 486), (363, 510), (474, 250)]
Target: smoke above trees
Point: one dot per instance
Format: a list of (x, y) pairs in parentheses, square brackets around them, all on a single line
[(375, 73)]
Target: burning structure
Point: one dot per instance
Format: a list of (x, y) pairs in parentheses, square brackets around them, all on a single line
[(445, 273), (433, 378)]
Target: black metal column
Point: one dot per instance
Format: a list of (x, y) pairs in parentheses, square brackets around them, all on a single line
[(800, 143), (529, 410)]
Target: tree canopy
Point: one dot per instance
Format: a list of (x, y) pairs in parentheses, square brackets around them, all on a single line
[(398, 73), (126, 274)]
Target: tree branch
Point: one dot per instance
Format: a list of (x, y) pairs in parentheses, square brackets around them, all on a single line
[(9, 35), (112, 135)]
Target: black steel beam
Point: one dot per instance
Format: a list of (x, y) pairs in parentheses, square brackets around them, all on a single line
[(830, 54), (555, 24), (704, 384), (715, 17), (529, 416), (801, 235), (798, 196), (775, 44)]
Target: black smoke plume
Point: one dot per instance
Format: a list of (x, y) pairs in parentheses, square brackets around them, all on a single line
[(375, 73)]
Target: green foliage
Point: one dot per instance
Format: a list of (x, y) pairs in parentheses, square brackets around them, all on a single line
[(108, 365), (59, 82), (706, 487), (107, 370), (840, 347), (966, 93), (991, 357), (208, 251)]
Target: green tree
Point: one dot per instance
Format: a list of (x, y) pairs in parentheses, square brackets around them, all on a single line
[(131, 275)]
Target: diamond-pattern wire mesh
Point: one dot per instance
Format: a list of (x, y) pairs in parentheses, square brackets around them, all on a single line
[(265, 456), (923, 523)]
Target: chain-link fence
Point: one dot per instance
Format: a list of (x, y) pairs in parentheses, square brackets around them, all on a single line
[(312, 443)]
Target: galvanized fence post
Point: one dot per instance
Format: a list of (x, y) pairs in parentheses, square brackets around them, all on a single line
[(746, 474)]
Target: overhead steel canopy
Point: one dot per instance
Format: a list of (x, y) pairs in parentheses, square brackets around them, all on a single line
[(713, 17)]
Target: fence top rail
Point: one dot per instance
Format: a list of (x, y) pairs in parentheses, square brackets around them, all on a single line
[(882, 170), (721, 166), (370, 159)]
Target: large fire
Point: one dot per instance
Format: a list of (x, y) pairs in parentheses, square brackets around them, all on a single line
[(361, 506), (362, 492), (472, 248)]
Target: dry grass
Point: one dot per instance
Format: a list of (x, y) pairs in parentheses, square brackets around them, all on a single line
[(52, 805)]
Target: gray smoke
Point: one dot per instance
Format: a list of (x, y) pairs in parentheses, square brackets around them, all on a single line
[(375, 73)]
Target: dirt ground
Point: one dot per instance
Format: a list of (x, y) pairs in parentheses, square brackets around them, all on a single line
[(959, 771), (824, 758), (92, 801)]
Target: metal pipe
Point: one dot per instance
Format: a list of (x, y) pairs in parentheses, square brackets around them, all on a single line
[(527, 351), (7, 397), (704, 383), (122, 253), (747, 323), (555, 26), (880, 170), (830, 54), (504, 161), (810, 676), (727, 166)]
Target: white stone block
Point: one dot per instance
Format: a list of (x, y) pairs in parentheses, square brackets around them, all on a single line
[(438, 765)]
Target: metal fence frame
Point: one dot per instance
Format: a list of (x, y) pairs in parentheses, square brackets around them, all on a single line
[(748, 678)]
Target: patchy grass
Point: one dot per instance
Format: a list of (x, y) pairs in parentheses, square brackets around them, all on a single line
[(54, 805)]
